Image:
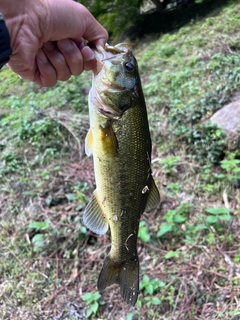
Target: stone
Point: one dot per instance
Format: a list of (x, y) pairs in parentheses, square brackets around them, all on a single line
[(228, 118)]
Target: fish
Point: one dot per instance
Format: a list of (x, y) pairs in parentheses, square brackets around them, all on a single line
[(120, 143)]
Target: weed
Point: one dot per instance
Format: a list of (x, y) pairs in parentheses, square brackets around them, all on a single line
[(143, 232), (190, 247), (92, 302), (218, 215), (173, 219), (169, 164)]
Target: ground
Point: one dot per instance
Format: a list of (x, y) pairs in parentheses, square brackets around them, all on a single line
[(188, 246)]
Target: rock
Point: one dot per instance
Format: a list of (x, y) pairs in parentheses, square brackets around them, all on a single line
[(228, 117)]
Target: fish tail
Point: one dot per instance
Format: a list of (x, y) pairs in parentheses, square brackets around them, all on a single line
[(125, 273)]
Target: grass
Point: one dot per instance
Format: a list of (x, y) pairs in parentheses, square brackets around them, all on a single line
[(188, 247)]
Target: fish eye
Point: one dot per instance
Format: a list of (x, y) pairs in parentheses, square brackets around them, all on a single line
[(129, 66)]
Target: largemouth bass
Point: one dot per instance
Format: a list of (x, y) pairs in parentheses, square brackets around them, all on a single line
[(120, 142)]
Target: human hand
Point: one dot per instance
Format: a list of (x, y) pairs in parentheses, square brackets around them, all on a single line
[(47, 39)]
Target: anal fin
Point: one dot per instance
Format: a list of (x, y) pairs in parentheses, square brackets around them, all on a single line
[(94, 217), (153, 197)]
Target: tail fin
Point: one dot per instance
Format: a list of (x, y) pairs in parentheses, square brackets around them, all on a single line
[(126, 274)]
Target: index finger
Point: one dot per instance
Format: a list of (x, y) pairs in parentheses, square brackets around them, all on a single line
[(76, 23)]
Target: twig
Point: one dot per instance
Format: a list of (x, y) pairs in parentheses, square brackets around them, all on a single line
[(176, 302), (58, 291), (209, 271)]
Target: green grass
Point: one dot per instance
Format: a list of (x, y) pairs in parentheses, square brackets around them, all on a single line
[(188, 247)]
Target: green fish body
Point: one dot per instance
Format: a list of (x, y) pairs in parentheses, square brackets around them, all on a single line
[(120, 142)]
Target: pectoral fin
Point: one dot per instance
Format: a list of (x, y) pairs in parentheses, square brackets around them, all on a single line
[(94, 217), (89, 143), (153, 197), (108, 140)]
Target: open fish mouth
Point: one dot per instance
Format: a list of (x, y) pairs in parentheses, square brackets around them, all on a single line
[(108, 53), (114, 79)]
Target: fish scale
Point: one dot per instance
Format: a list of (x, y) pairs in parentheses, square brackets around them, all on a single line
[(120, 142)]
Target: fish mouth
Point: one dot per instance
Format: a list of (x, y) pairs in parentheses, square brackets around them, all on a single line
[(109, 52), (102, 54)]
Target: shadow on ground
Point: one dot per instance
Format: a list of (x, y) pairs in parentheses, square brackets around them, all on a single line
[(156, 23)]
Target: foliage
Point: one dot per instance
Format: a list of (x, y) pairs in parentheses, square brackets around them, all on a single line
[(173, 219), (143, 232), (92, 303), (218, 214), (115, 16), (188, 246)]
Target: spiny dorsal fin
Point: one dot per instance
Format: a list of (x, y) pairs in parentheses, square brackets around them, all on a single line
[(94, 217), (153, 197)]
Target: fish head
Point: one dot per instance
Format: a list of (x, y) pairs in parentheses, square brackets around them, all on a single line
[(115, 80)]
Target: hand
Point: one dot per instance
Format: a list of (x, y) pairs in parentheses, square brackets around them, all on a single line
[(47, 38)]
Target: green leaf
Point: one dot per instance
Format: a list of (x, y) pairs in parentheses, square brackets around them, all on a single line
[(146, 278), (221, 210), (172, 254), (94, 307), (70, 197), (129, 316), (225, 217), (179, 219), (38, 240), (149, 288), (96, 295), (87, 296), (211, 220), (165, 227), (39, 225), (88, 312), (143, 232), (156, 301)]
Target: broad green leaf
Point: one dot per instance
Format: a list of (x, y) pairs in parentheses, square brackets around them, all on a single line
[(221, 210), (149, 288), (156, 301), (165, 227), (86, 296), (143, 233), (38, 240), (94, 307), (225, 217), (211, 219), (178, 218), (39, 225)]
